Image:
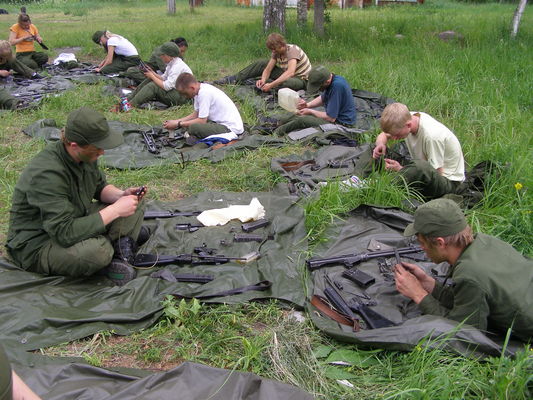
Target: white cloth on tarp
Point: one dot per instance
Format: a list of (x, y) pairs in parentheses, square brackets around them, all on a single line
[(244, 213), (65, 57)]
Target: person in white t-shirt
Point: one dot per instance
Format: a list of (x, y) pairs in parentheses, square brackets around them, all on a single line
[(121, 53), (215, 114), (162, 88), (437, 167)]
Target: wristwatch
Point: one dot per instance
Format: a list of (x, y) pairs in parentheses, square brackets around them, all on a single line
[(179, 124)]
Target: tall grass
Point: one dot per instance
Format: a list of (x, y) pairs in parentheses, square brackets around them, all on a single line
[(480, 87)]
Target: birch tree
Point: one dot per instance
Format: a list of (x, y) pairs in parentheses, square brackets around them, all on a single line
[(517, 16)]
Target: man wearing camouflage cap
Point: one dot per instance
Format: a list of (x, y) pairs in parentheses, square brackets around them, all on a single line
[(336, 98), (489, 284), (55, 227), (162, 88)]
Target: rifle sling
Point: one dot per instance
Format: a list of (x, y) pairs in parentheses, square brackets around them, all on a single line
[(259, 287), (294, 165), (322, 305)]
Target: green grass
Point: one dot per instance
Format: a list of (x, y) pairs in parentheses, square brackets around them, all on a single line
[(480, 87)]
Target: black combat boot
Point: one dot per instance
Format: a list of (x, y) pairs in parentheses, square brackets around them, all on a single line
[(120, 272), (125, 249), (144, 235), (227, 80)]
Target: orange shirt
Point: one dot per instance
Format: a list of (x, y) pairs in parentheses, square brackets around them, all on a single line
[(24, 45)]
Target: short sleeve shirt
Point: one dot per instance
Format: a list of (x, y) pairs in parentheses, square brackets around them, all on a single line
[(436, 144), (338, 101), (303, 65), (123, 47), (174, 68), (215, 105), (24, 46)]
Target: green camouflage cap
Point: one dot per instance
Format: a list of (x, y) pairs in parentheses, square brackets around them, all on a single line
[(87, 126), (97, 35), (437, 218), (316, 79), (169, 48)]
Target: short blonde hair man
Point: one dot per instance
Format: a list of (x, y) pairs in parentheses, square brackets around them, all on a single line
[(437, 167), (394, 117)]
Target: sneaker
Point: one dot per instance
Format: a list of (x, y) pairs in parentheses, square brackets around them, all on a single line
[(120, 272)]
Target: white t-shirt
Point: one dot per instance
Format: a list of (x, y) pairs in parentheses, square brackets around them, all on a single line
[(436, 144), (213, 104), (123, 46), (174, 69)]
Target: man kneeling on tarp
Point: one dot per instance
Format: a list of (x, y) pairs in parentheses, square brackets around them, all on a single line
[(492, 283), (336, 97), (55, 227), (215, 115), (438, 166)]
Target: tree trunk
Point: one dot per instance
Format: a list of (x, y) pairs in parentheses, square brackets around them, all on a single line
[(274, 15), (319, 17), (517, 16), (171, 6), (301, 12)]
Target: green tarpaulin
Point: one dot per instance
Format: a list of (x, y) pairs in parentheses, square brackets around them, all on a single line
[(134, 152), (367, 229), (39, 311)]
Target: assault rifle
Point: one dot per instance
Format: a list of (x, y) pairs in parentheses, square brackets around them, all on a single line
[(150, 260), (349, 260), (170, 214), (372, 318), (148, 137)]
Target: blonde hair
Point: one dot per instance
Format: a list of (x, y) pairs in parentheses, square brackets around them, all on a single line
[(5, 51), (275, 40), (460, 239), (394, 117)]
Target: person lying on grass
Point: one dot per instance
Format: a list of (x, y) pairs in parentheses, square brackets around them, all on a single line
[(489, 284)]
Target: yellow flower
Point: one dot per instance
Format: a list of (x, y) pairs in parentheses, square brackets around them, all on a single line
[(518, 186)]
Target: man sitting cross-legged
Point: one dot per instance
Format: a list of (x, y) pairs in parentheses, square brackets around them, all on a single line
[(336, 97), (162, 88), (56, 227), (491, 283), (215, 114), (288, 66), (438, 166)]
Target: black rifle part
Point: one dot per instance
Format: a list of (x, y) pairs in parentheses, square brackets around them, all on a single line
[(140, 192), (189, 227), (337, 301), (167, 275), (252, 226), (148, 137), (250, 237), (193, 278), (359, 277), (349, 260), (152, 260), (170, 214), (373, 319)]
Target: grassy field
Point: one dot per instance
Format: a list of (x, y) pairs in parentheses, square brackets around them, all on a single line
[(481, 87)]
